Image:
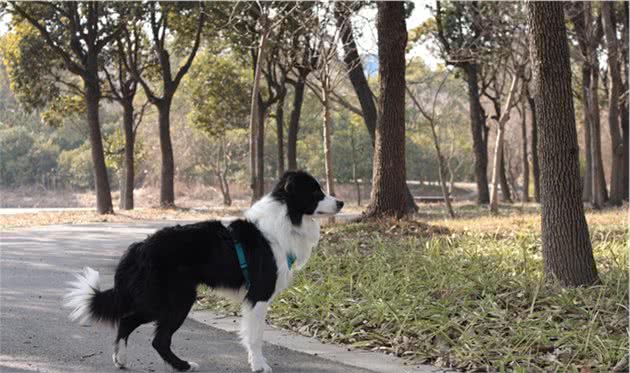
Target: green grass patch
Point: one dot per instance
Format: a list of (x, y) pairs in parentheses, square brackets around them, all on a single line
[(465, 300)]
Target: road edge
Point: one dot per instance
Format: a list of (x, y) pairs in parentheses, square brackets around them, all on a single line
[(374, 361)]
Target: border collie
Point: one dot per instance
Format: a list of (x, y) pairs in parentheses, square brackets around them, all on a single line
[(156, 279)]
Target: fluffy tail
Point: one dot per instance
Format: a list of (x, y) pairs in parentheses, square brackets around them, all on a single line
[(88, 302)]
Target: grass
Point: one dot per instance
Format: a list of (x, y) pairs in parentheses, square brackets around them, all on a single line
[(469, 295)]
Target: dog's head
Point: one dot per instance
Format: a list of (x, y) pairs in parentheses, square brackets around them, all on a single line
[(304, 196)]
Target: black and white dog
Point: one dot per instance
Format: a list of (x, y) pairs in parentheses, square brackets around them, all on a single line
[(156, 279)]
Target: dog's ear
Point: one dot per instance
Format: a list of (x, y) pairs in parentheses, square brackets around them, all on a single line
[(289, 182)]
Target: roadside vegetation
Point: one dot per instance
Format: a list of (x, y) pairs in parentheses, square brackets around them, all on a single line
[(464, 295)]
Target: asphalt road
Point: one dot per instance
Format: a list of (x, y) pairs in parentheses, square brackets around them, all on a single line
[(37, 336)]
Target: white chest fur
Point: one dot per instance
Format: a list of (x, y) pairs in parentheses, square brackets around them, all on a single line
[(270, 216)]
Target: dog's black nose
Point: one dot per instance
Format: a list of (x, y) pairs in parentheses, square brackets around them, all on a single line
[(339, 205)]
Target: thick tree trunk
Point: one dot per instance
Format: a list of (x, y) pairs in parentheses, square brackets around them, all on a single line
[(524, 158), (389, 187), (360, 84), (614, 74), (167, 181), (280, 131), (353, 149), (126, 193), (567, 251), (535, 151), (587, 191), (294, 123), (328, 162), (624, 108), (477, 129), (92, 97)]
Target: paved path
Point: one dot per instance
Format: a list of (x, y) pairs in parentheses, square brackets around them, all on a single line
[(36, 335)]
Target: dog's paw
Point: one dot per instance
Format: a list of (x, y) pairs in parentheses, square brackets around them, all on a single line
[(193, 366), (260, 365), (120, 359)]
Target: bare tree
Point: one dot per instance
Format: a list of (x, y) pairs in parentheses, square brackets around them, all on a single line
[(160, 26), (498, 148), (442, 163)]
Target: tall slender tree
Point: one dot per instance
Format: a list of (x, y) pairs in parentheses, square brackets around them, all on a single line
[(389, 176), (614, 94), (567, 251), (162, 18)]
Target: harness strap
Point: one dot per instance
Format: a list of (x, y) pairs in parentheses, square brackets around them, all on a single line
[(242, 262)]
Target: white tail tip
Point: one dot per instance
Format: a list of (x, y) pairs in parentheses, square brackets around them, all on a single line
[(80, 294)]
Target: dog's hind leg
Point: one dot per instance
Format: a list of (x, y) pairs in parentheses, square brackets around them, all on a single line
[(252, 327), (126, 326), (166, 326)]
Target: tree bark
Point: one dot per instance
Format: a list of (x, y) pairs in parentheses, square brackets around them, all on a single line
[(614, 74), (567, 251), (389, 187), (126, 193), (624, 108), (280, 131), (92, 97), (294, 123), (477, 129), (524, 157), (167, 184)]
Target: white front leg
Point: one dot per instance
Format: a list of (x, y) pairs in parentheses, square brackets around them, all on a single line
[(252, 327)]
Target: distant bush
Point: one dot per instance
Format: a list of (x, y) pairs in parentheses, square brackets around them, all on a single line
[(24, 157), (75, 167)]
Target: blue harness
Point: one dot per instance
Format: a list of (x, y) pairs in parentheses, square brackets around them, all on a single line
[(242, 262)]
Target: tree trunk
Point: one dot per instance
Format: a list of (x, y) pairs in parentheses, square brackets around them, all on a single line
[(599, 182), (92, 97), (280, 131), (614, 74), (255, 115), (389, 177), (167, 186), (223, 184), (587, 192), (126, 193), (624, 108), (294, 123), (524, 157), (476, 126), (567, 251), (328, 165), (535, 151), (506, 195), (498, 150), (260, 149), (354, 66), (354, 165)]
